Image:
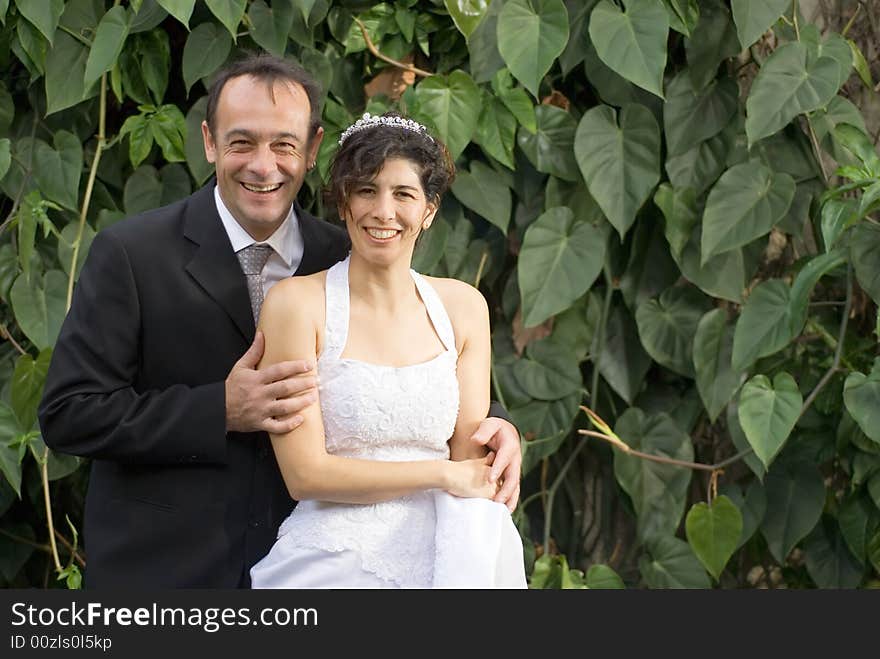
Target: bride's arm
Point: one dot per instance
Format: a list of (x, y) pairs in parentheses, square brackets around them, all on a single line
[(290, 325), (470, 320)]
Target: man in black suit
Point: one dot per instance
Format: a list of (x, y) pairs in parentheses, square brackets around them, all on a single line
[(154, 375)]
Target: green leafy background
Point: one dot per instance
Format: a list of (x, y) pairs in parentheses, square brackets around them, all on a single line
[(671, 207)]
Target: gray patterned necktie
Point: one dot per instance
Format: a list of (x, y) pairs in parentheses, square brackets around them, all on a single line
[(252, 259)]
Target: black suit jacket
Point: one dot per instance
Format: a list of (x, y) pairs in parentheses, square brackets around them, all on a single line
[(159, 316)]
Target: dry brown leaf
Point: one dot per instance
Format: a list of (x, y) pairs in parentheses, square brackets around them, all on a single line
[(392, 81), (523, 336)]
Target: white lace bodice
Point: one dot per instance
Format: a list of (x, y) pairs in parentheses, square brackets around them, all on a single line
[(380, 412)]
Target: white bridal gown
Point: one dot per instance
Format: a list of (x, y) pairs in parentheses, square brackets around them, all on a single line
[(374, 412)]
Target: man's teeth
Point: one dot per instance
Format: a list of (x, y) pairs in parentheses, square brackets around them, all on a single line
[(261, 188), (382, 233)]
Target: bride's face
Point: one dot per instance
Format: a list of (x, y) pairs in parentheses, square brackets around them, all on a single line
[(384, 216)]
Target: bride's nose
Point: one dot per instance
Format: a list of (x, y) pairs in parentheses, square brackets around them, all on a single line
[(383, 207)]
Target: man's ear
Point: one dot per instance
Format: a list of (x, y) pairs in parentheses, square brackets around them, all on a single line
[(314, 145), (210, 146)]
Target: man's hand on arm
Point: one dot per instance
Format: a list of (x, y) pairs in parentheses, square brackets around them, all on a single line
[(269, 399), (502, 438)]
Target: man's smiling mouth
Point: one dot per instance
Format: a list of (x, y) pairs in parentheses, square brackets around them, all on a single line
[(261, 188)]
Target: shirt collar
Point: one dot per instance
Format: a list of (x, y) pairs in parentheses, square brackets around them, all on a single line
[(284, 240)]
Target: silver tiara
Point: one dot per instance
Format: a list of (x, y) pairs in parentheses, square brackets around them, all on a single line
[(369, 121)]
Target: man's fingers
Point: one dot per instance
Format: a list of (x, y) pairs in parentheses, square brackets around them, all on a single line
[(504, 457), (294, 386), (285, 370), (509, 493), (293, 405), (283, 425), (252, 356), (488, 428)]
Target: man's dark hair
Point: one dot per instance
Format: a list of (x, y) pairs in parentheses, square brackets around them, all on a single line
[(363, 153), (270, 69)]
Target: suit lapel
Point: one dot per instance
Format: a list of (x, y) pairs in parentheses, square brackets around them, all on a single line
[(214, 265)]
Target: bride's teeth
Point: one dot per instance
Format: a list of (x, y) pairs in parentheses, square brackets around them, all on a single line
[(382, 233), (261, 188)]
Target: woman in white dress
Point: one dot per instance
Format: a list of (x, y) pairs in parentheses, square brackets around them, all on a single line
[(392, 493)]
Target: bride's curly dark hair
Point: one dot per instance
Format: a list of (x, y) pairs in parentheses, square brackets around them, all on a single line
[(363, 153)]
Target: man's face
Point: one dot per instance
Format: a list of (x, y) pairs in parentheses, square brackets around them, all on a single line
[(261, 150)]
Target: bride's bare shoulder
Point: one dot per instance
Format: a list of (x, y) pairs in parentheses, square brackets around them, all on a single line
[(297, 294), (463, 302)]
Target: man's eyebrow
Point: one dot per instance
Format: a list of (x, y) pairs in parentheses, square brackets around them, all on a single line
[(244, 132)]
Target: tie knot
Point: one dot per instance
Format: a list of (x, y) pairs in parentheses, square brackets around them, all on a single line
[(253, 258)]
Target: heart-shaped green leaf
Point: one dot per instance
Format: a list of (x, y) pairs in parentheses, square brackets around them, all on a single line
[(658, 491), (271, 25), (531, 35), (65, 70), (180, 9), (795, 497), (713, 41), (754, 17), (764, 326), (790, 82), (713, 531), (621, 360), (551, 148), (548, 373), (829, 561), (229, 12), (27, 387), (452, 104), (496, 130), (619, 161), (671, 563), (107, 44), (717, 381), (40, 306), (667, 326), (602, 577), (559, 261), (744, 205), (206, 48), (700, 166), (692, 115), (43, 15), (632, 41), (466, 14), (861, 393), (485, 193), (768, 412)]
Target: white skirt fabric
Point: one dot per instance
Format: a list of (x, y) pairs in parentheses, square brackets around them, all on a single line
[(475, 545)]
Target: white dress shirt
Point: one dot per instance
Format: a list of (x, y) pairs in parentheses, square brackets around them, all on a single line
[(286, 243)]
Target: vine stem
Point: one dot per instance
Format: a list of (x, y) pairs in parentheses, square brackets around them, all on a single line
[(6, 335), (93, 173), (815, 143), (400, 65), (483, 259), (46, 498), (87, 198)]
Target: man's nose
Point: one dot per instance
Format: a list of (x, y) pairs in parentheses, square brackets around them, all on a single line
[(262, 162)]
